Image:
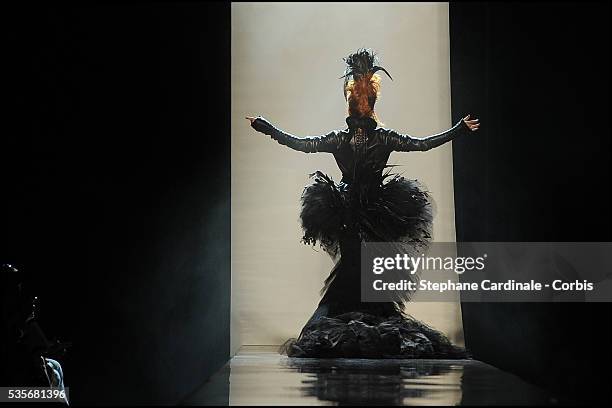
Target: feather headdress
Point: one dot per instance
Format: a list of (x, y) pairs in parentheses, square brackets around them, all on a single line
[(361, 65), (361, 84)]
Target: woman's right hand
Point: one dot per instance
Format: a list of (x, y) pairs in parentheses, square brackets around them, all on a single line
[(473, 124), (250, 118)]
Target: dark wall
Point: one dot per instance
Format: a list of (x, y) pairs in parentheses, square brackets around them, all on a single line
[(537, 75), (116, 190)]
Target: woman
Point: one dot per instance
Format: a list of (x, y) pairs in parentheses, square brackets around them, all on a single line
[(367, 205)]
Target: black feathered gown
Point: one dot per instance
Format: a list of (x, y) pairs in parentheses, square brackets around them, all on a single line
[(372, 205)]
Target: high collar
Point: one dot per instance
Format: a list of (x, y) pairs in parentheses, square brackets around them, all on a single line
[(365, 123)]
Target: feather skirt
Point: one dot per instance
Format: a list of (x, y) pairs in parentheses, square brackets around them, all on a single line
[(362, 335), (395, 210), (338, 218)]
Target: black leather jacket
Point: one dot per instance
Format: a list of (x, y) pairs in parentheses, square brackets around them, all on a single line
[(362, 150)]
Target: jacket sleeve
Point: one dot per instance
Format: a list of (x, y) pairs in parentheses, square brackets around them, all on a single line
[(327, 143), (405, 143)]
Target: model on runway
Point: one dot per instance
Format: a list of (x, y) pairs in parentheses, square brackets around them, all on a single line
[(369, 204)]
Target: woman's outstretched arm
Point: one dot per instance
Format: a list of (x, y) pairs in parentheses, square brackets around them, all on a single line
[(326, 143), (405, 143)]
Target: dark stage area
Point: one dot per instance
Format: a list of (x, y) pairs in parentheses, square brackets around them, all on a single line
[(258, 375), (538, 76), (116, 189), (115, 177)]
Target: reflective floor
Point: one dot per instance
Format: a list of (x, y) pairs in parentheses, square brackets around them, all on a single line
[(258, 375)]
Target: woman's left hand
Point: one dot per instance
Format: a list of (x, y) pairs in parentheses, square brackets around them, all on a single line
[(473, 124)]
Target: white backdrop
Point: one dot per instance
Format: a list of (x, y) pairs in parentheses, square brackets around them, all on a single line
[(286, 60)]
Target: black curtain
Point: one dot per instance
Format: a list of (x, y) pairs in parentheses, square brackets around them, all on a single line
[(116, 190), (537, 75)]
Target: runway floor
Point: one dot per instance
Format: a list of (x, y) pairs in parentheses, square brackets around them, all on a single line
[(259, 375)]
